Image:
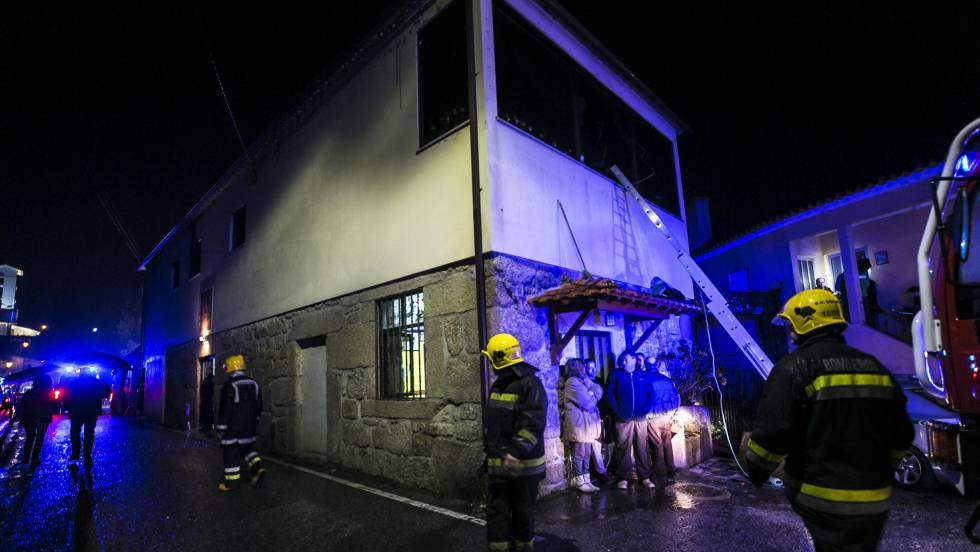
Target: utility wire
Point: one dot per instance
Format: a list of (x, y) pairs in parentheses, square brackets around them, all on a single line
[(574, 241)]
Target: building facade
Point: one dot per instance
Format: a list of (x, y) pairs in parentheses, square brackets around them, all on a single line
[(338, 255), (882, 222)]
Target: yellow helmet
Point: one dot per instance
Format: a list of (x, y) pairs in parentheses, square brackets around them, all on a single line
[(234, 363), (811, 309), (503, 350)]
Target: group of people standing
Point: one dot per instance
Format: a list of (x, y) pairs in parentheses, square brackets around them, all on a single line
[(83, 398), (638, 404)]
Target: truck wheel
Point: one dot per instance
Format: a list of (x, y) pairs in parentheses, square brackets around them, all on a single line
[(915, 473)]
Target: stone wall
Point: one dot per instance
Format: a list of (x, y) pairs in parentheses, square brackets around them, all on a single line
[(433, 443), (510, 282)]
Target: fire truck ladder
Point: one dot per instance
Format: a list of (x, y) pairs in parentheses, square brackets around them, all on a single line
[(714, 301)]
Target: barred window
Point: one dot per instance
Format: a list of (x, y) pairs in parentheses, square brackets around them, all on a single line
[(401, 347)]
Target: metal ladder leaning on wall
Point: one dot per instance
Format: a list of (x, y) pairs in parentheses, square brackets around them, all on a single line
[(714, 300)]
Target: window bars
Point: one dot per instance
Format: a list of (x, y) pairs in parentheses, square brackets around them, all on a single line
[(401, 347)]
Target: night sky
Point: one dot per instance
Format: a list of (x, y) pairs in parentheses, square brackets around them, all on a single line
[(788, 104)]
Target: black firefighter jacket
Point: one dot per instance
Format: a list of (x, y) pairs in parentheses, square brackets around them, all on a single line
[(515, 422), (838, 418), (239, 409)]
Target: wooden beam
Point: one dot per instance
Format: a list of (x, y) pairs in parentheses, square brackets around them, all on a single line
[(646, 335), (563, 341)]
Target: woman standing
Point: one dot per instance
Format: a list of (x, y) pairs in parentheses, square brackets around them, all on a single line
[(582, 424)]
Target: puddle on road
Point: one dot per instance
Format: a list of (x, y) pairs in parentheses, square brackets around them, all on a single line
[(585, 508)]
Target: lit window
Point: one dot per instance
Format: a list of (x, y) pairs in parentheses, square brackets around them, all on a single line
[(807, 278), (443, 92), (401, 347)]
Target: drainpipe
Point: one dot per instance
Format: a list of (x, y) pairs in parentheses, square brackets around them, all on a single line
[(481, 295)]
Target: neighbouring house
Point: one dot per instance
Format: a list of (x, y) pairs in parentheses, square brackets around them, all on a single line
[(882, 222), (338, 255)]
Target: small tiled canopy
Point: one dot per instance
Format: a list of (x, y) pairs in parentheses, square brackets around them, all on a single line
[(592, 295)]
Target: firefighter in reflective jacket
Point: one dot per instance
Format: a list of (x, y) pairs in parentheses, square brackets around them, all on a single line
[(514, 442), (238, 414), (837, 418)]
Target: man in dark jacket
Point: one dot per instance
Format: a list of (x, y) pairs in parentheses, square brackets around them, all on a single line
[(628, 396), (514, 445), (84, 402), (837, 417), (238, 416), (664, 402), (36, 407)]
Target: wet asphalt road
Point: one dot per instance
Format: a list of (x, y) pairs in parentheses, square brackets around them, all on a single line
[(154, 489)]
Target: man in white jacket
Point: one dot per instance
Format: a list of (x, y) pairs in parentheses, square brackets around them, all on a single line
[(582, 423)]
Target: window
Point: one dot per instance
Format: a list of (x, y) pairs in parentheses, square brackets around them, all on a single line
[(205, 311), (807, 278), (236, 231), (836, 267), (546, 94), (175, 274), (195, 260), (443, 90), (596, 346), (401, 347)]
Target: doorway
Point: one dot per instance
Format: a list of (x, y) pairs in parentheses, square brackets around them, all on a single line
[(313, 394), (597, 346), (206, 401)]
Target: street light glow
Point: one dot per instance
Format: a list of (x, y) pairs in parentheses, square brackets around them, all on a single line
[(44, 327), (25, 344), (95, 330), (8, 364)]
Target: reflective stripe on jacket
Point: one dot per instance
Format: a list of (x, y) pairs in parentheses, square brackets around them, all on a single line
[(837, 417), (515, 422), (240, 408)]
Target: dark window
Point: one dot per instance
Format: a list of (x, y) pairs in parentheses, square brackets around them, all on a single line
[(205, 312), (195, 261), (175, 274), (401, 347), (237, 230), (443, 92), (546, 94)]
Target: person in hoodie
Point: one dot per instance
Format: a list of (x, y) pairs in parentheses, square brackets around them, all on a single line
[(628, 396), (582, 424), (664, 402), (36, 407)]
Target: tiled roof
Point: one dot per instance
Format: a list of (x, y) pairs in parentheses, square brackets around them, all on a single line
[(594, 290)]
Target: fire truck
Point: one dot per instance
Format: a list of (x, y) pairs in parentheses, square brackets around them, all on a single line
[(946, 331)]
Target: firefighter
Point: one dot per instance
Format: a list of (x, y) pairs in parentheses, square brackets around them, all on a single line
[(238, 414), (514, 443), (837, 418)]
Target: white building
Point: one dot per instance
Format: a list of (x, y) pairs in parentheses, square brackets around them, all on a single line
[(882, 222), (338, 255)]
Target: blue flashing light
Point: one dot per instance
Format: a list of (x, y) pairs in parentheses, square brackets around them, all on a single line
[(966, 163)]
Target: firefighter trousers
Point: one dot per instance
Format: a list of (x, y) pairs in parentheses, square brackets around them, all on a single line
[(235, 452), (841, 533), (510, 512)]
